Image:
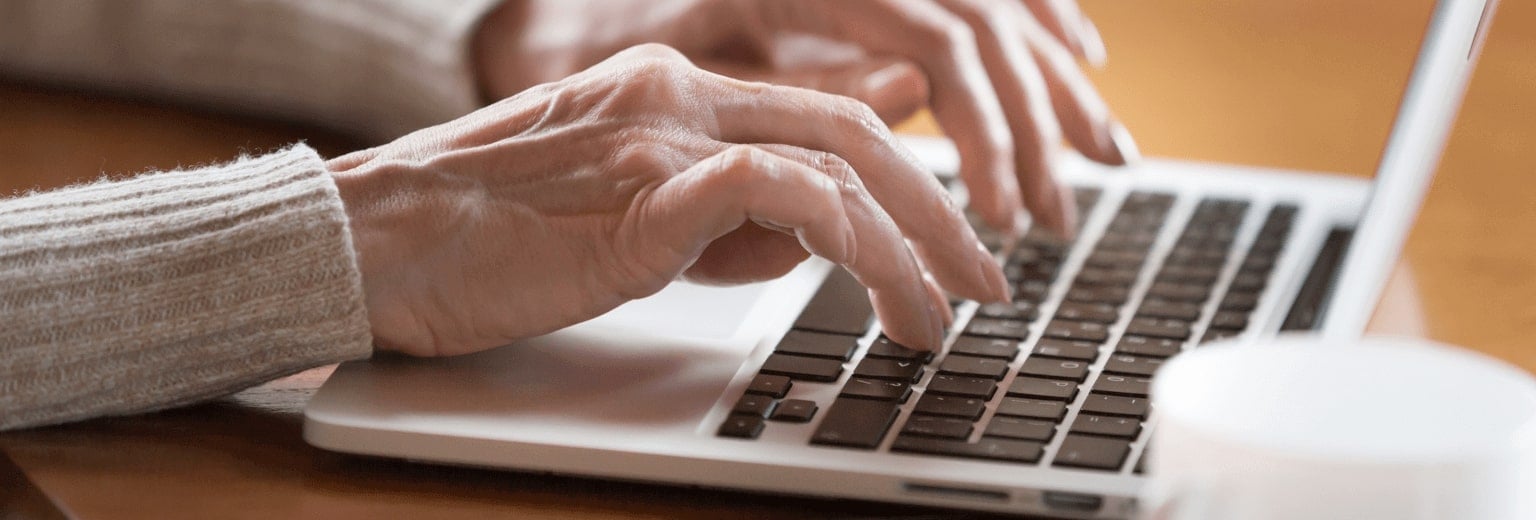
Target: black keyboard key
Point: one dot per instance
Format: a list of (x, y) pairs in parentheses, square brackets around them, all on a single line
[(1034, 387), (1133, 365), (1107, 426), (1018, 311), (794, 410), (962, 386), (986, 347), (935, 426), (855, 423), (993, 448), (1145, 346), (1078, 330), (1159, 328), (1110, 277), (1083, 451), (771, 386), (1179, 292), (950, 406), (752, 404), (1114, 259), (884, 348), (1066, 349), (802, 367), (893, 391), (1020, 428), (889, 370), (818, 344), (1102, 404), (1169, 309), (1230, 320), (840, 306), (1010, 329), (1240, 301), (1130, 386), (1094, 312), (1098, 294), (1249, 281), (1055, 369), (991, 368), (1218, 335), (1190, 274), (1032, 408), (741, 427)]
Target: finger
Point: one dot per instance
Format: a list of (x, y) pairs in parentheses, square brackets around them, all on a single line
[(940, 301), (750, 253), (882, 260), (1085, 118), (1026, 101), (746, 182), (1065, 20), (758, 113), (963, 100), (894, 87), (743, 184)]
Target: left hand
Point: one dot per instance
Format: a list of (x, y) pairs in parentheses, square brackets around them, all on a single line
[(1000, 75)]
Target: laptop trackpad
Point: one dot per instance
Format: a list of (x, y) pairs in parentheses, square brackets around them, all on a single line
[(651, 366)]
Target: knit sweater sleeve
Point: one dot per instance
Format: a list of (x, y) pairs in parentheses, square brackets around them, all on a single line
[(168, 288), (373, 68)]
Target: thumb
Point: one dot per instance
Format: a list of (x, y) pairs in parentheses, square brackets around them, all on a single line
[(895, 88)]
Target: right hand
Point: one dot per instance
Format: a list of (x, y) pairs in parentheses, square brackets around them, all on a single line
[(999, 75), (556, 205)]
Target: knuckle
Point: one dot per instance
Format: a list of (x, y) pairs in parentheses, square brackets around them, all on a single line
[(656, 51), (858, 115), (738, 165), (946, 32)]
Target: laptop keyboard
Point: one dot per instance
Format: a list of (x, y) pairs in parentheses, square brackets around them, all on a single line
[(979, 400)]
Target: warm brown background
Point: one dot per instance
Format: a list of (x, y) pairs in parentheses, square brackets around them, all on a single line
[(1296, 83)]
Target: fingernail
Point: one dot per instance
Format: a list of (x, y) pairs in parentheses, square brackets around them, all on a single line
[(897, 87), (939, 300), (935, 327), (1122, 148), (1068, 206), (1092, 44), (992, 274)]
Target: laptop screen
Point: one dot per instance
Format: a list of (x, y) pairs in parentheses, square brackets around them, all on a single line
[(1310, 85), (1315, 85)]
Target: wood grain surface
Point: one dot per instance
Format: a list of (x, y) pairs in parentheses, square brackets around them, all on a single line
[(1306, 84)]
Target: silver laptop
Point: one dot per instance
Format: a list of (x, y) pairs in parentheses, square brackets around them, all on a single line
[(1035, 407)]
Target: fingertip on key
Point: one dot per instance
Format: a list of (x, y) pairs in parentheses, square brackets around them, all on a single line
[(1123, 150)]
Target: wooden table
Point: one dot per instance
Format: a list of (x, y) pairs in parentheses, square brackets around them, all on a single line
[(1193, 81)]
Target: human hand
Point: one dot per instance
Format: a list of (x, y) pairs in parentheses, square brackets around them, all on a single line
[(1000, 75), (553, 206)]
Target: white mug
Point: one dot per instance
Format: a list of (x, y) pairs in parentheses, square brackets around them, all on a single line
[(1306, 428)]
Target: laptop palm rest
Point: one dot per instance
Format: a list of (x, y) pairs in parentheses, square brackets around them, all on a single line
[(651, 367)]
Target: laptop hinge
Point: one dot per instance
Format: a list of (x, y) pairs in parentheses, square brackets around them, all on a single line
[(1312, 301)]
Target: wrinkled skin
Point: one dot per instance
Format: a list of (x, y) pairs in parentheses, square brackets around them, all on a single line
[(1000, 75), (583, 189), (558, 204)]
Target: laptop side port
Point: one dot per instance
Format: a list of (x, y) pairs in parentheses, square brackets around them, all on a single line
[(975, 494), (1074, 502)]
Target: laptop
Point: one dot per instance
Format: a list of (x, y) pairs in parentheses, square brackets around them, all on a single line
[(1039, 406)]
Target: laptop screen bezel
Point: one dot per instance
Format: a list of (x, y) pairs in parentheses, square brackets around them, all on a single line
[(1425, 116)]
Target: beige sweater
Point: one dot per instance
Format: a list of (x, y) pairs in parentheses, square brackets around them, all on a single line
[(169, 288)]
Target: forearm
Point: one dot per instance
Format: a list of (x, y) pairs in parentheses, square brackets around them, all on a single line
[(169, 288), (377, 68)]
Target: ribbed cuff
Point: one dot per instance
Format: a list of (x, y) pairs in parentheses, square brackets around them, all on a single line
[(169, 288)]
